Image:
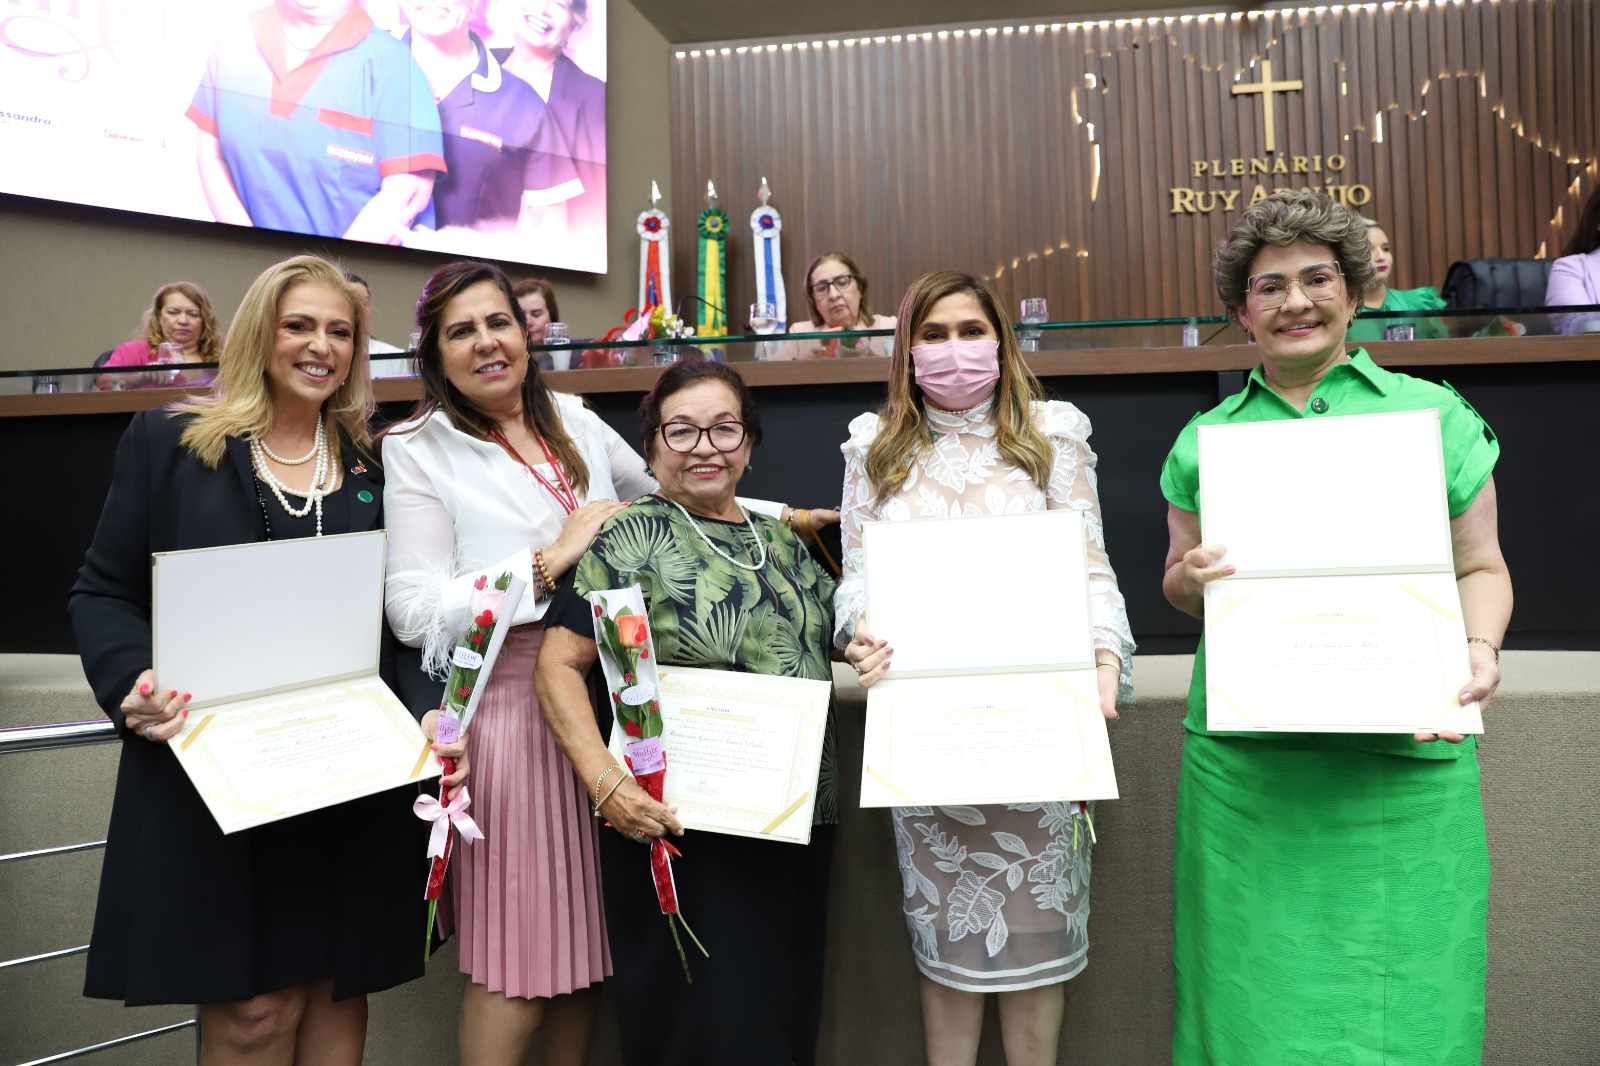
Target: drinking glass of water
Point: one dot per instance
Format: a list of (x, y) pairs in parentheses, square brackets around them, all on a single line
[(558, 333), (1034, 312)]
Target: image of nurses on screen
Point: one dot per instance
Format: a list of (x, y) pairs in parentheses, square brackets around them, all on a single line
[(473, 127)]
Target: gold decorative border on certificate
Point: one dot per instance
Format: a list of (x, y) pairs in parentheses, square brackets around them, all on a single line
[(1237, 602), (422, 757), (195, 732), (890, 785), (1429, 601), (1237, 708), (788, 812)]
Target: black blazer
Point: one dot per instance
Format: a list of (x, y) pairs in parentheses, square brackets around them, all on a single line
[(163, 498)]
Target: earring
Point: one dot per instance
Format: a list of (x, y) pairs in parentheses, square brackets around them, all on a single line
[(649, 473), (748, 467)]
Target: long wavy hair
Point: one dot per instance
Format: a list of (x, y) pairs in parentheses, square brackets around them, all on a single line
[(539, 412), (240, 403), (1586, 238), (903, 433), (209, 343)]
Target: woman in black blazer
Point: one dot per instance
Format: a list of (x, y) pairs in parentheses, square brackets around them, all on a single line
[(276, 932)]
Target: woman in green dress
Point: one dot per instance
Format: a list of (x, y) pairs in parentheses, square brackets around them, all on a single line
[(1331, 889), (1381, 296), (725, 589)]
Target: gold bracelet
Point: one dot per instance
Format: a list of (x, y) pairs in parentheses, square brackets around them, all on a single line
[(544, 575), (600, 781), (614, 786), (1110, 666), (1489, 643)]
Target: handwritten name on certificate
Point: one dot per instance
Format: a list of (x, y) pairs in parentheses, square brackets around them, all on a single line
[(275, 757), (743, 750), (1011, 738)]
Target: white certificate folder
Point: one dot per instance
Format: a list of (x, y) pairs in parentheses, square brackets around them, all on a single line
[(279, 644), (1342, 615), (992, 695)]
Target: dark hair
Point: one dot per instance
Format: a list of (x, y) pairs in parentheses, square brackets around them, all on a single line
[(538, 406), (681, 375), (1587, 237), (356, 279), (863, 313), (1287, 216), (543, 288)]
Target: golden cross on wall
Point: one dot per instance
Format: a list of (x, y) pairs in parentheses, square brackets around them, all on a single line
[(1266, 87)]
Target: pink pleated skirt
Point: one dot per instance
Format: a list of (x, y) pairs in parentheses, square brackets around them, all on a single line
[(525, 900)]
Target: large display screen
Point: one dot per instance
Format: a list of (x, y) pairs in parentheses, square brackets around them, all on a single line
[(471, 127)]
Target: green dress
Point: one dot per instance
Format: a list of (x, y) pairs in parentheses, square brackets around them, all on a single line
[(1426, 298), (1331, 889)]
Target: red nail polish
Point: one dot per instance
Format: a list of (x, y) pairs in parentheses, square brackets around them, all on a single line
[(186, 714), (144, 690), (187, 696), (173, 694)]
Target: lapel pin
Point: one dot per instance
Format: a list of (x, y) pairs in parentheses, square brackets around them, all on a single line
[(359, 468), (364, 496)]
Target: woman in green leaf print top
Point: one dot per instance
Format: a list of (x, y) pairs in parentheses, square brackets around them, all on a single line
[(725, 589)]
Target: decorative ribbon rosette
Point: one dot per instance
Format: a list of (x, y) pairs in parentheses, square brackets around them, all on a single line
[(627, 656), (767, 226), (470, 664), (713, 277), (655, 260)]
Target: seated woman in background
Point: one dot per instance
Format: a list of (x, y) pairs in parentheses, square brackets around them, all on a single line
[(1575, 277), (1380, 296), (759, 907), (180, 313), (836, 293)]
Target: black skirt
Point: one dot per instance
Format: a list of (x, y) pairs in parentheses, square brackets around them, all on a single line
[(760, 908), (188, 915)]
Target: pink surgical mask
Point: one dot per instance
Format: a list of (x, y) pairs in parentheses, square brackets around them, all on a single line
[(957, 375)]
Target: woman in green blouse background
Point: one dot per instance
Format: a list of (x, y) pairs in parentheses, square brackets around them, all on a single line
[(1381, 296), (1331, 889), (731, 590)]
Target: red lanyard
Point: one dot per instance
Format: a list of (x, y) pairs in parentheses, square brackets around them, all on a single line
[(564, 494)]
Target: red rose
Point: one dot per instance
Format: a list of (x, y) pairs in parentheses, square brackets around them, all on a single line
[(628, 679), (634, 630), (632, 729)]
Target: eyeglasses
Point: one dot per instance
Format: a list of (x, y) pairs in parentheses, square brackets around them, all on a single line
[(683, 437), (1319, 282), (843, 283)]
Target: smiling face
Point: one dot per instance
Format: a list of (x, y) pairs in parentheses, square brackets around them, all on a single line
[(313, 346), (437, 19), (483, 350), (840, 310), (1300, 332), (537, 314), (702, 479), (546, 25), (181, 320)]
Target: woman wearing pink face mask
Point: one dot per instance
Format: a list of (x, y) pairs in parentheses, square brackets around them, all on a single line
[(965, 432)]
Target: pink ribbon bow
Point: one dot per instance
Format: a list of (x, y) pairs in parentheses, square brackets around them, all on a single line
[(443, 816)]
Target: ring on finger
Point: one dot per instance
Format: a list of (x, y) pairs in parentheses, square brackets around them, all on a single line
[(638, 836), (148, 730)]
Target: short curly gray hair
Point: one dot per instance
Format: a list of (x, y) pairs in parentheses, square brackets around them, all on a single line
[(1287, 216)]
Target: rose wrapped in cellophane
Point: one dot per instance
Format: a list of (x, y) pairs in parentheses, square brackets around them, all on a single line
[(627, 656), (491, 606)]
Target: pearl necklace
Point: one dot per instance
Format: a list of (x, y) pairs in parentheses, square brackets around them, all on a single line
[(319, 476), (713, 544), (307, 457)]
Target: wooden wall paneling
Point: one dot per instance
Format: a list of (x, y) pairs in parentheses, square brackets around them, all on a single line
[(1510, 97), (1470, 108), (1437, 147)]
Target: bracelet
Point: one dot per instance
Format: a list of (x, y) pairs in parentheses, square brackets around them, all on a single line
[(544, 575), (600, 781), (1110, 666), (1488, 643), (614, 786)]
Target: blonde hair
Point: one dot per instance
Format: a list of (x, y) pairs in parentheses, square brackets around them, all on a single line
[(209, 343), (240, 404), (903, 434)]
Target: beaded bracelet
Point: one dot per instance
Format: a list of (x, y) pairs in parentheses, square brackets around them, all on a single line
[(544, 575), (1487, 642), (600, 781)]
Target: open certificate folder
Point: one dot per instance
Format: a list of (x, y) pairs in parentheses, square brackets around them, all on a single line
[(279, 643), (993, 696), (1342, 615)]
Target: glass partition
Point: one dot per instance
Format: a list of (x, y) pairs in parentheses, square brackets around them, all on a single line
[(1043, 337)]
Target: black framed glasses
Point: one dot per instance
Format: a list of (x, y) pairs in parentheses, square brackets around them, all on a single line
[(844, 283), (685, 437), (1319, 282)]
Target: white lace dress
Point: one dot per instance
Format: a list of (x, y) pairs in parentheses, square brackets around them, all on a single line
[(996, 898)]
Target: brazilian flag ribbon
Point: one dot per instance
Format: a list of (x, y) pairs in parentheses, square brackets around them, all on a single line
[(713, 276)]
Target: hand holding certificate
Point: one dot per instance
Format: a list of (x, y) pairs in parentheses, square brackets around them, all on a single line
[(1004, 710), (286, 718), (1334, 620)]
